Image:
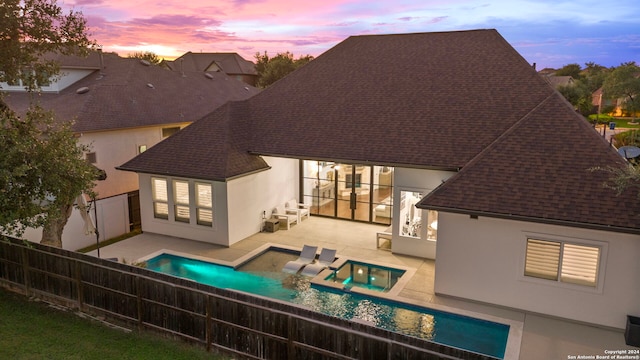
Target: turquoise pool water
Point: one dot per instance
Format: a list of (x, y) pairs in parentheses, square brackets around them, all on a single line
[(367, 276), (450, 329)]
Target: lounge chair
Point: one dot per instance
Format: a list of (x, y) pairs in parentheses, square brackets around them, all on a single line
[(293, 207), (286, 219), (327, 257), (307, 256)]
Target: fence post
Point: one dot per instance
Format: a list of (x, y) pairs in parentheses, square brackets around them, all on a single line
[(208, 324), (25, 269), (139, 302), (79, 285), (290, 332)]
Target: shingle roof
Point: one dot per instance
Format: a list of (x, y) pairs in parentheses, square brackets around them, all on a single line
[(229, 63), (427, 100), (221, 156), (129, 94), (455, 100), (541, 169)]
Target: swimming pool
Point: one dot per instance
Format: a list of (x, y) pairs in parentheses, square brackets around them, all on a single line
[(367, 276), (446, 328)]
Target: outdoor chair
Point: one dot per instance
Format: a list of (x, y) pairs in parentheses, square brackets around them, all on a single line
[(301, 210), (286, 219), (326, 258), (307, 256)]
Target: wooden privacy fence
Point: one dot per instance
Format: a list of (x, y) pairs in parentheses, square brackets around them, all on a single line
[(237, 323)]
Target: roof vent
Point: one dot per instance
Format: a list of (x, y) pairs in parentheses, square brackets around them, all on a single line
[(82, 90), (246, 88), (150, 85), (145, 62), (208, 75)]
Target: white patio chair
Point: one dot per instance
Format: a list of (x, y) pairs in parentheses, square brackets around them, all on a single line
[(301, 210), (286, 219)]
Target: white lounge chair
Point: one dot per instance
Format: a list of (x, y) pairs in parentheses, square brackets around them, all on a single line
[(286, 219), (327, 257), (301, 210), (307, 256)]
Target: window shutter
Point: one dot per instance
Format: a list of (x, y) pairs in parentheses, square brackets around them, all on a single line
[(580, 264), (203, 192), (159, 189), (542, 259), (181, 192)]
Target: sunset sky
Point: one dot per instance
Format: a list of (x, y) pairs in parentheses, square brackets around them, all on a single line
[(551, 33)]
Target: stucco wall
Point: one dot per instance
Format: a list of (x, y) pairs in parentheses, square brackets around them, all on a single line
[(217, 234), (114, 148), (483, 259), (252, 195), (113, 220)]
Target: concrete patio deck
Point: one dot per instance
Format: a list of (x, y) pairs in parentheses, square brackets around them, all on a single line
[(533, 336)]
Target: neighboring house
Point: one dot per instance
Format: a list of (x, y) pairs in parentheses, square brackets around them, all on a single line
[(122, 107), (602, 103), (474, 157), (231, 64), (557, 81)]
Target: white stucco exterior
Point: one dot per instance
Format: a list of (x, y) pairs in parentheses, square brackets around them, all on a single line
[(483, 260), (114, 148), (238, 204), (423, 181)]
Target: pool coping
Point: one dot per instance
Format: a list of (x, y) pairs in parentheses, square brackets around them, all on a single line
[(516, 328)]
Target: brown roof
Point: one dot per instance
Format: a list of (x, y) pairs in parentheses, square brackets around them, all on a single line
[(425, 100), (229, 63), (453, 100), (127, 93), (222, 155), (542, 170)]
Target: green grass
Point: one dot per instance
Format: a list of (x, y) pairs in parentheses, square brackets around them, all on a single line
[(620, 122), (34, 330)]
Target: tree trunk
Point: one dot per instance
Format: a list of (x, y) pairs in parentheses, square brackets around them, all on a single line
[(52, 230)]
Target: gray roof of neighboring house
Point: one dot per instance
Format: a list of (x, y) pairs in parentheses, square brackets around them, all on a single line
[(452, 100), (128, 93), (229, 63), (556, 81)]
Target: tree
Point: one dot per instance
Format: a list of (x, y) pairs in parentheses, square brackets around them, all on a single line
[(624, 83), (572, 70), (42, 171), (273, 69), (152, 58), (29, 29), (41, 165), (593, 75), (578, 95)]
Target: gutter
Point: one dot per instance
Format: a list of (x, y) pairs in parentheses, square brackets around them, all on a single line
[(476, 213)]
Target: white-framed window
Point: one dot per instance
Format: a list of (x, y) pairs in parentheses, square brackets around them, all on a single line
[(181, 200), (563, 261), (204, 204), (160, 198)]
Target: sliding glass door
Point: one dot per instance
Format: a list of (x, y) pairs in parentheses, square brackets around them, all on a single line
[(348, 191)]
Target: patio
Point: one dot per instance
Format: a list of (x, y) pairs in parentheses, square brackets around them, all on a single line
[(541, 336)]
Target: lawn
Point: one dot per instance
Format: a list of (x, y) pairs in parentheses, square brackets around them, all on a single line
[(34, 330)]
